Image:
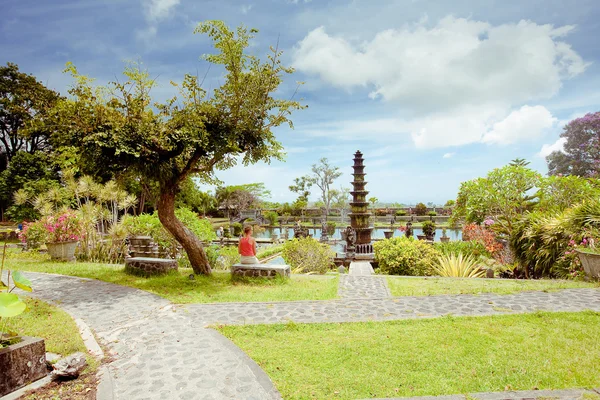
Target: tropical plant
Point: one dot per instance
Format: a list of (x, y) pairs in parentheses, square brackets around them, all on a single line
[(307, 255), (432, 213), (504, 195), (272, 217), (330, 228), (404, 256), (237, 229), (485, 236), (400, 213), (457, 266), (63, 227)]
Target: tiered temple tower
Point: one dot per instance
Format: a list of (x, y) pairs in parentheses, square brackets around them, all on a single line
[(359, 217)]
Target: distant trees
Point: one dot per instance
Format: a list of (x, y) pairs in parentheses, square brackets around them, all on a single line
[(581, 154)]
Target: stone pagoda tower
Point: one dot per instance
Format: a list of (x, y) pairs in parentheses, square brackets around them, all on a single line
[(359, 216)]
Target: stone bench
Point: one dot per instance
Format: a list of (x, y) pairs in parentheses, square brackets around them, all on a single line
[(264, 270), (147, 266)]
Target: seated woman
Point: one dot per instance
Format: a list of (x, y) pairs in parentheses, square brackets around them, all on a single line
[(247, 247)]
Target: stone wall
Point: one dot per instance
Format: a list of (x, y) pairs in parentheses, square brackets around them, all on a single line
[(145, 266)]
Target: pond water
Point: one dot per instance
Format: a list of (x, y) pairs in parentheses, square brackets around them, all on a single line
[(453, 234)]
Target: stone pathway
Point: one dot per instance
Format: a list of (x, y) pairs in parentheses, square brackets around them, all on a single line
[(164, 351), (159, 351), (360, 268)]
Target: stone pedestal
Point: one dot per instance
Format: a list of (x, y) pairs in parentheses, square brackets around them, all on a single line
[(21, 364), (261, 270), (145, 266)]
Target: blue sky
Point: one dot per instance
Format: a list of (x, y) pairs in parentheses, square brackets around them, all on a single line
[(432, 92)]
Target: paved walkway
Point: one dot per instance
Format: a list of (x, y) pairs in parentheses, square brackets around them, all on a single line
[(163, 351)]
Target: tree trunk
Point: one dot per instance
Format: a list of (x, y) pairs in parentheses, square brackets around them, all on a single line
[(186, 238)]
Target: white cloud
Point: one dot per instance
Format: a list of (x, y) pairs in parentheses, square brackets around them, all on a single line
[(525, 123), (246, 8), (457, 62), (549, 148), (448, 155), (157, 10), (457, 81)]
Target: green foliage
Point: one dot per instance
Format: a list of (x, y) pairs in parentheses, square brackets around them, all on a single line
[(24, 105), (272, 217), (307, 255), (330, 228), (237, 229), (149, 225), (33, 234), (503, 195), (10, 304), (470, 248), (420, 209), (457, 266), (405, 256), (562, 192), (226, 256), (544, 242), (450, 203), (432, 213), (400, 213), (428, 228), (323, 175)]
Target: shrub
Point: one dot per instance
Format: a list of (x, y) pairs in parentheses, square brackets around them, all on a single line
[(457, 267), (428, 228), (471, 248), (226, 257), (63, 227), (432, 213), (420, 209), (405, 256), (330, 228), (33, 234), (400, 213), (307, 255), (272, 217)]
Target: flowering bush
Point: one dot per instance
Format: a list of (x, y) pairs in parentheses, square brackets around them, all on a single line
[(65, 227), (482, 235), (33, 234), (405, 256)]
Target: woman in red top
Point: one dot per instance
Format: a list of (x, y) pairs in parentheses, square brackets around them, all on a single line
[(247, 247)]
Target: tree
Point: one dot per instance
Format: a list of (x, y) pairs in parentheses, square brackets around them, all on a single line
[(302, 186), (119, 128), (323, 176), (503, 196), (24, 103), (241, 197), (341, 200), (450, 203), (420, 209), (581, 154), (373, 201), (519, 162)]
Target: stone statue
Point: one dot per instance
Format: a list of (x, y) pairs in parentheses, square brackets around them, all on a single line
[(350, 237), (409, 230)]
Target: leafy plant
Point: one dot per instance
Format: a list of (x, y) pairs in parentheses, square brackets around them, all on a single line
[(10, 304), (307, 255), (432, 213), (457, 266), (400, 213), (63, 227), (428, 228), (470, 248), (272, 217), (405, 256), (237, 229), (330, 228)]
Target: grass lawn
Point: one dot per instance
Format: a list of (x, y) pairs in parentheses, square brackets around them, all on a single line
[(178, 288), (403, 286), (43, 320), (426, 357)]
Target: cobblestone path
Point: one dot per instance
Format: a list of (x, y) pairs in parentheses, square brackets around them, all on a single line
[(159, 351), (164, 351)]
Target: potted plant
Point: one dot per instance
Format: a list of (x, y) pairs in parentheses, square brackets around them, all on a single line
[(22, 358), (63, 233), (32, 235), (444, 238), (428, 228)]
